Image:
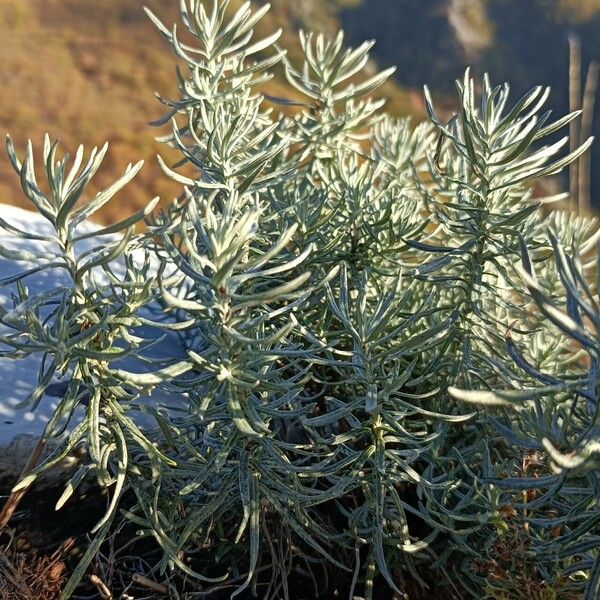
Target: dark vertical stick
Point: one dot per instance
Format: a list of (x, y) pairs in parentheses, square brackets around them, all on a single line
[(574, 104), (587, 119)]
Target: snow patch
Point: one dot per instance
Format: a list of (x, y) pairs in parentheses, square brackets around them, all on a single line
[(19, 377)]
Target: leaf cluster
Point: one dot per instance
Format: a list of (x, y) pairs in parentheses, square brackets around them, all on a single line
[(391, 352)]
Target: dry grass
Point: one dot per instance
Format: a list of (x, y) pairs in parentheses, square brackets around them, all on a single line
[(86, 72), (29, 576)]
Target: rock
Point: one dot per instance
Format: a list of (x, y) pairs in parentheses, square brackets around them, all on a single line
[(14, 457), (471, 26)]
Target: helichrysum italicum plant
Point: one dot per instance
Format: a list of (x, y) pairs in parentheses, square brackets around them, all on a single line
[(391, 351)]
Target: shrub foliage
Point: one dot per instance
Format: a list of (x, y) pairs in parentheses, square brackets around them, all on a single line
[(391, 347)]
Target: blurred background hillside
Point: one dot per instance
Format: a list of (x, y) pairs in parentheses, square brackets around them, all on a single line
[(86, 70)]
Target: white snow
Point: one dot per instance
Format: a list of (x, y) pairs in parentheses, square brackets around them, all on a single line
[(19, 377)]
